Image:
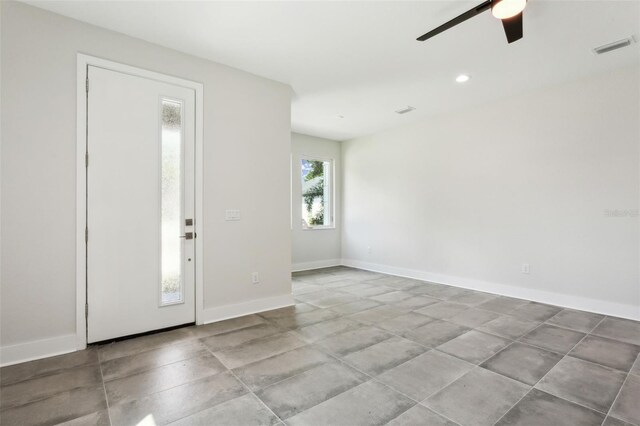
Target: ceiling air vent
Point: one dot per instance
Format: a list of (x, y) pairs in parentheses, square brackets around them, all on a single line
[(405, 110), (613, 46)]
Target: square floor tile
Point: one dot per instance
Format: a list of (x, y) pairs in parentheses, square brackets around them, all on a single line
[(258, 349), (442, 310), (415, 302), (178, 402), (420, 415), (527, 364), (305, 288), (382, 356), (368, 404), (246, 410), (303, 319), (509, 327), (435, 333), (627, 406), (405, 322), (237, 337), (446, 292), (357, 289), (98, 418), (301, 392), (533, 311), (425, 375), (354, 307), (473, 298), (612, 421), (636, 367), (539, 408), (376, 315), (553, 338), (47, 366), (619, 329), (154, 358), (279, 367), (374, 291), (344, 343), (480, 397), (474, 346), (502, 305), (151, 341), (158, 379), (473, 317), (583, 382), (425, 288), (27, 391), (289, 311), (58, 408), (576, 320), (611, 353), (323, 329), (332, 298), (226, 325), (391, 297)]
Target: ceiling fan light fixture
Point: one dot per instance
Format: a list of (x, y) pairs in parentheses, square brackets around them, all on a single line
[(505, 9)]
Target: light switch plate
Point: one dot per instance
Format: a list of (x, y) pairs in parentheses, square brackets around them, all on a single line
[(232, 215)]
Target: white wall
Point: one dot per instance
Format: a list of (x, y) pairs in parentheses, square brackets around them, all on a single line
[(246, 160), (466, 198), (314, 248)]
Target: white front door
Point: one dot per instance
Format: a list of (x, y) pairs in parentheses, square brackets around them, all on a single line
[(140, 205)]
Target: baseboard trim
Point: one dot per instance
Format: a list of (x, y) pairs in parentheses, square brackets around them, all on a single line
[(246, 308), (564, 300), (316, 264), (37, 349)]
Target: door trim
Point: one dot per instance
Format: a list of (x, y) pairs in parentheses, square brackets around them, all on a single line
[(83, 61)]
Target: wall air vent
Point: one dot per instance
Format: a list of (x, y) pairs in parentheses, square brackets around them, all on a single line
[(405, 110), (613, 46)]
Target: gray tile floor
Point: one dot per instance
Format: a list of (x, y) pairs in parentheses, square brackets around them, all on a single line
[(359, 348)]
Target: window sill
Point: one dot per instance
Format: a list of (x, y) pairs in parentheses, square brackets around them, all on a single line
[(320, 228)]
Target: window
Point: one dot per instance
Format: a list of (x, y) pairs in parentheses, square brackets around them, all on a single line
[(317, 193), (171, 139)]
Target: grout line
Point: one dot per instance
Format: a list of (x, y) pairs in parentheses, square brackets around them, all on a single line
[(104, 389), (256, 396), (375, 379), (542, 378), (624, 382), (245, 386)]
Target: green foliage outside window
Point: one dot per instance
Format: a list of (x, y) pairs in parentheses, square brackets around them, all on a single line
[(315, 192)]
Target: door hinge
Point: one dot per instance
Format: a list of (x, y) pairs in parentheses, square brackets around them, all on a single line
[(86, 310), (87, 84), (86, 234)]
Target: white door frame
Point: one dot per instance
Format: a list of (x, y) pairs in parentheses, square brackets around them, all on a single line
[(81, 184)]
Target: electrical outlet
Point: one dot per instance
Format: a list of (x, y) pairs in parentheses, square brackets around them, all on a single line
[(525, 268), (255, 278)]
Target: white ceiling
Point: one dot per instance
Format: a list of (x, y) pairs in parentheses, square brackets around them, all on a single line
[(360, 60)]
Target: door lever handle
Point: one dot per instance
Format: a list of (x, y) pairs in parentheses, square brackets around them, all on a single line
[(187, 236)]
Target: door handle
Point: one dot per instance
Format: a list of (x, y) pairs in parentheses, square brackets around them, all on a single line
[(187, 236)]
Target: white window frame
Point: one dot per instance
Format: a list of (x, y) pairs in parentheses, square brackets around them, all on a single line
[(331, 189)]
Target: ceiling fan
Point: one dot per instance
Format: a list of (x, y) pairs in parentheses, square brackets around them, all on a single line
[(508, 11)]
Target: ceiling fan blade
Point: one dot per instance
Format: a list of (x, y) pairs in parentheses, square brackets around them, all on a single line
[(513, 28), (457, 20)]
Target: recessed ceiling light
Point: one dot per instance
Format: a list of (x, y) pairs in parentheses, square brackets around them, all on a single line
[(463, 78)]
